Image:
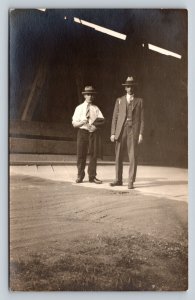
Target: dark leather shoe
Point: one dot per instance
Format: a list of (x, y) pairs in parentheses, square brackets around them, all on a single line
[(130, 186), (95, 180), (79, 180), (116, 183)]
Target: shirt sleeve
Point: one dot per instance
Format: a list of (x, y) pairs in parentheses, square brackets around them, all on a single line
[(76, 115)]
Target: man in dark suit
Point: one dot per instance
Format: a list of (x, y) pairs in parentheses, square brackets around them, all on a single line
[(127, 131)]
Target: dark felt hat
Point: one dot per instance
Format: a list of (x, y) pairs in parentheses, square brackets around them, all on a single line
[(129, 81), (89, 90)]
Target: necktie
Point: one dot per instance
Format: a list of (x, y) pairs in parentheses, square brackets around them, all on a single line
[(88, 111)]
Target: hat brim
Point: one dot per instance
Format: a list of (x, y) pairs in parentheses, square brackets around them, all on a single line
[(89, 93), (129, 84)]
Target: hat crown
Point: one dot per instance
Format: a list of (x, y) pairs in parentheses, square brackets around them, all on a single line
[(130, 79), (89, 89)]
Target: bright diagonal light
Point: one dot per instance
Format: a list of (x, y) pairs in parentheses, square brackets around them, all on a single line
[(101, 29), (42, 9), (163, 51)]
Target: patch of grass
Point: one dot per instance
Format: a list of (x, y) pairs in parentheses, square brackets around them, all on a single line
[(128, 263)]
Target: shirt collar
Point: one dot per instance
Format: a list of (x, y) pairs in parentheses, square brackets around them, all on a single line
[(130, 97), (86, 103)]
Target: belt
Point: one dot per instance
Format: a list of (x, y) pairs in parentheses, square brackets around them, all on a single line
[(86, 130)]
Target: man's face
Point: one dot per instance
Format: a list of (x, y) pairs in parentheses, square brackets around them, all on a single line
[(129, 90), (89, 98)]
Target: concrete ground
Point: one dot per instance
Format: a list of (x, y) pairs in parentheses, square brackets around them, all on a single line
[(167, 182)]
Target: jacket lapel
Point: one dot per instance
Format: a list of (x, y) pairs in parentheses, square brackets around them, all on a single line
[(135, 101)]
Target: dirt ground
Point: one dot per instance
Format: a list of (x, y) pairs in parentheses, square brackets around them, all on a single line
[(70, 237)]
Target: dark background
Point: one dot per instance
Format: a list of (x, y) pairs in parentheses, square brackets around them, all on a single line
[(52, 59)]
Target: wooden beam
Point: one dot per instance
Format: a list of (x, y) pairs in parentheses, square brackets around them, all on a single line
[(33, 97)]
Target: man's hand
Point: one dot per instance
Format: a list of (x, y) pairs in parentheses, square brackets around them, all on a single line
[(83, 122), (92, 128), (112, 138), (140, 140), (78, 124)]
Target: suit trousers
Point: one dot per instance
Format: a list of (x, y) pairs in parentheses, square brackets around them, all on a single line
[(86, 142), (127, 142)]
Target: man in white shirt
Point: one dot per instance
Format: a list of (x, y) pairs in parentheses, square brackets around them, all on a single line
[(127, 131), (87, 118)]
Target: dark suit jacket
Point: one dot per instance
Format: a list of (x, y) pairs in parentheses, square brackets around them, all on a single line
[(119, 117)]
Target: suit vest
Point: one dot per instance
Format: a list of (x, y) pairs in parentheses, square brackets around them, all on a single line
[(129, 113)]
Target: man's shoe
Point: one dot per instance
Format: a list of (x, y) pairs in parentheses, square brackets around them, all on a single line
[(79, 180), (130, 186), (95, 180), (116, 183)]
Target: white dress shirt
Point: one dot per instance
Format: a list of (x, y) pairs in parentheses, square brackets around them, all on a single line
[(80, 115), (129, 98)]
